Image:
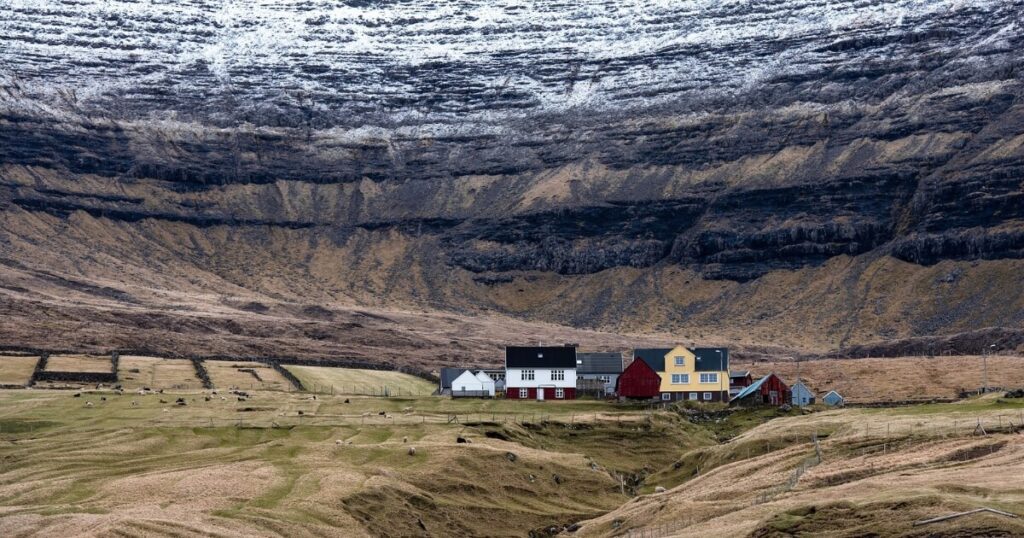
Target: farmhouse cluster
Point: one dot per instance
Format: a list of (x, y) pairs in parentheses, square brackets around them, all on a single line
[(665, 374)]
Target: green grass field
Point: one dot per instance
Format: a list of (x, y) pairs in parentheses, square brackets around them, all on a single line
[(359, 381)]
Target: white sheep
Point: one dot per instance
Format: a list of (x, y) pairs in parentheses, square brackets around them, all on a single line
[(88, 404), (412, 451)]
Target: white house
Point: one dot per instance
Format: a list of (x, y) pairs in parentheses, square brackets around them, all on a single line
[(541, 373), (469, 385)]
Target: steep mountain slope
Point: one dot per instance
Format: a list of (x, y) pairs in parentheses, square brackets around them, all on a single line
[(806, 173)]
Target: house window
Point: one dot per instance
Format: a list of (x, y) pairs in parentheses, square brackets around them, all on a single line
[(559, 394), (605, 378), (526, 375), (557, 375), (709, 378), (707, 396), (666, 396), (680, 379), (680, 361), (693, 396), (523, 393)]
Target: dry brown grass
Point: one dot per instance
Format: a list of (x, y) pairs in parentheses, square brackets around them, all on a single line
[(78, 363), (17, 369), (233, 374), (895, 379), (135, 372), (891, 467)]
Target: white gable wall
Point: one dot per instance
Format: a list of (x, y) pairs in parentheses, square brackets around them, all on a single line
[(541, 378), (468, 381)]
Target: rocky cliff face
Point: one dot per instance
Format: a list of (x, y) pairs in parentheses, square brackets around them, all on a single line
[(636, 165)]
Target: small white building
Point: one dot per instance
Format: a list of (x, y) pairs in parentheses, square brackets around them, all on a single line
[(470, 385), (486, 382)]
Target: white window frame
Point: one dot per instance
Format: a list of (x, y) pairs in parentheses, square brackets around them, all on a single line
[(524, 394), (665, 396), (683, 379), (694, 396), (527, 375), (712, 377), (558, 375), (559, 394), (680, 361), (708, 396), (604, 378)]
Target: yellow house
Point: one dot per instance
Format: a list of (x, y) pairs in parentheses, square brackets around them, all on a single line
[(699, 374)]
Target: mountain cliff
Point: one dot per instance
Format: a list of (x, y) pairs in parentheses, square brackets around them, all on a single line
[(803, 173)]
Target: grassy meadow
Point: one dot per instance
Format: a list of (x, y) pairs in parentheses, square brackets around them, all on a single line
[(360, 381), (287, 463)]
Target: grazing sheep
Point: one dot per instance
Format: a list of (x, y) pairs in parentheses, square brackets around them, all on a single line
[(163, 401), (346, 400), (223, 399), (406, 410), (103, 398), (461, 439), (659, 489), (88, 404), (77, 395), (337, 441), (207, 398), (405, 439), (412, 451)]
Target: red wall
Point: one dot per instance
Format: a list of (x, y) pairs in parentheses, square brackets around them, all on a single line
[(638, 381), (773, 383), (512, 393)]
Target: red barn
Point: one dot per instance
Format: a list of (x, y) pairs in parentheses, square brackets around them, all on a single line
[(638, 380), (769, 390)]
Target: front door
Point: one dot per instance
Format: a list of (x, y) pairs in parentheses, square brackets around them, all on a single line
[(540, 394)]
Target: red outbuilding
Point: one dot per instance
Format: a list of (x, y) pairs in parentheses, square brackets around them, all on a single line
[(638, 380), (769, 390)]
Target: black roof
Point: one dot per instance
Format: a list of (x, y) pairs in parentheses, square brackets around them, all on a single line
[(711, 359), (540, 357), (599, 363), (654, 357)]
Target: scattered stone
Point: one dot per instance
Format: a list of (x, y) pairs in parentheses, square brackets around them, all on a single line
[(301, 413), (207, 398), (461, 439), (405, 439), (511, 457), (163, 401), (557, 479), (346, 400), (382, 413), (179, 401), (785, 408), (103, 398), (573, 527), (77, 395)]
